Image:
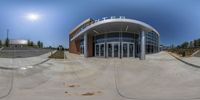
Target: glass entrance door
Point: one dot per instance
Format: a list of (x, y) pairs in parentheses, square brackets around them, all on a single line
[(128, 49), (116, 49), (131, 50), (82, 49), (109, 50), (97, 50), (124, 49), (112, 49), (102, 50)]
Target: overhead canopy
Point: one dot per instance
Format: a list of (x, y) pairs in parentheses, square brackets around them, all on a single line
[(116, 25)]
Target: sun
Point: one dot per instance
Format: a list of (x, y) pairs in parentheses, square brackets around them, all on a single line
[(32, 17)]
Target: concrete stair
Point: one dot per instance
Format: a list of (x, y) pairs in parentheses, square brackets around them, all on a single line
[(197, 54)]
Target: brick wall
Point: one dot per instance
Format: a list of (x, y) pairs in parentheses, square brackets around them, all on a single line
[(74, 46), (90, 46)]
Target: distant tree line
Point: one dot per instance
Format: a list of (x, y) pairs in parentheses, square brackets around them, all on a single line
[(191, 44), (6, 43), (186, 48), (38, 45), (30, 43)]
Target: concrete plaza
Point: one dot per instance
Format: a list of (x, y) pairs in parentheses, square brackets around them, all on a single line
[(159, 77)]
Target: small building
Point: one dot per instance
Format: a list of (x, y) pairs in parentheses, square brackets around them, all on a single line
[(17, 42)]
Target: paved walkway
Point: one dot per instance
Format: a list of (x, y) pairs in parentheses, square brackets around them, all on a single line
[(159, 77), (22, 62)]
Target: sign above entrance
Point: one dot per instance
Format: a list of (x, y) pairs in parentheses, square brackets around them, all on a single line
[(112, 17)]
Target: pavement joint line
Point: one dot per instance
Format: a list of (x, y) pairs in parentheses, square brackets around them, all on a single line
[(9, 68), (185, 62), (11, 87)]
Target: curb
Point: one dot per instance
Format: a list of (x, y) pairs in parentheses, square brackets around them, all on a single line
[(8, 68), (190, 64)]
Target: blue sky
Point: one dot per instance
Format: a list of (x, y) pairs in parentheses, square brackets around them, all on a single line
[(176, 20)]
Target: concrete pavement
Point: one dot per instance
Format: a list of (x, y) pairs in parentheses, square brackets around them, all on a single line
[(159, 77), (22, 62)]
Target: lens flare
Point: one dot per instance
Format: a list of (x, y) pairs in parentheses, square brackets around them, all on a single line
[(33, 17)]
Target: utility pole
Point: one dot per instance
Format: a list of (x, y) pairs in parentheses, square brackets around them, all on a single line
[(7, 39), (7, 32)]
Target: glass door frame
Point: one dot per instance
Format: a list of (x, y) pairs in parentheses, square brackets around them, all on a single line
[(113, 44), (128, 49), (107, 49), (96, 50), (81, 49), (133, 49), (99, 45), (122, 51)]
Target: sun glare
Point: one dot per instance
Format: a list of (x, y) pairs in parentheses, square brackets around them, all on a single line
[(32, 17)]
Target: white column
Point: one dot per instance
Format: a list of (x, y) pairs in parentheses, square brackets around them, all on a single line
[(85, 45), (134, 50), (118, 50), (95, 53), (158, 44), (128, 50), (142, 45), (105, 50)]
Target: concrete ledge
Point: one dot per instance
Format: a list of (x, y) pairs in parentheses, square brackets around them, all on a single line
[(186, 62)]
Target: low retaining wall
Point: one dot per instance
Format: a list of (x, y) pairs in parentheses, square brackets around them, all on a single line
[(188, 63)]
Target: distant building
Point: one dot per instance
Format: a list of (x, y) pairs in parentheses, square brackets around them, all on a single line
[(164, 47), (17, 42)]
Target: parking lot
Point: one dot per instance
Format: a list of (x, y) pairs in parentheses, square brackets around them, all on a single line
[(24, 52)]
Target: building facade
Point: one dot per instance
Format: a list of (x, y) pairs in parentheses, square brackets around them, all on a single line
[(114, 37)]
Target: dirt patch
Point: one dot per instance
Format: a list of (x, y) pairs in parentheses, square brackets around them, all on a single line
[(67, 93), (91, 93), (88, 94), (57, 55), (71, 85)]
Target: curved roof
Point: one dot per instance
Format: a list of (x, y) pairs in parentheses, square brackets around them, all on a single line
[(78, 26), (117, 22)]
